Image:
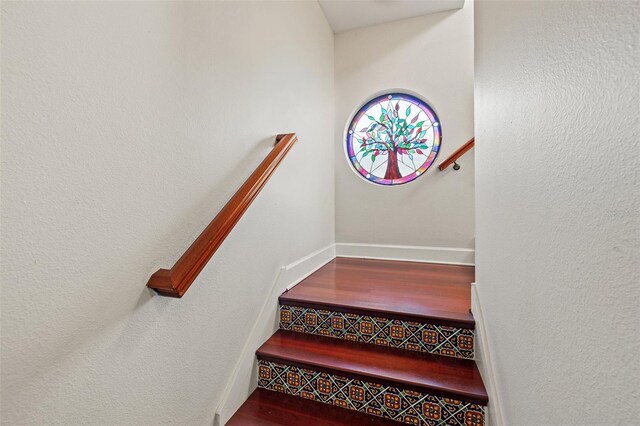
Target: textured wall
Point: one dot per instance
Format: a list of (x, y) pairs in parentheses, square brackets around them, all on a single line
[(432, 56), (557, 207), (126, 127)]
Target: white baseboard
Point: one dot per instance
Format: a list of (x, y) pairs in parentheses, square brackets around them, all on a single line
[(446, 255), (485, 362), (243, 379)]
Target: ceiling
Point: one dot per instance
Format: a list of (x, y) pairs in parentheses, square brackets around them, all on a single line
[(345, 15)]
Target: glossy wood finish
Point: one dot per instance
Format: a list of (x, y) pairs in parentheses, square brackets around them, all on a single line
[(268, 408), (436, 375), (175, 282), (459, 153), (439, 294)]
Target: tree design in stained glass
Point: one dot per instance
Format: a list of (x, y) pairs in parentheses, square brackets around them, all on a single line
[(393, 139)]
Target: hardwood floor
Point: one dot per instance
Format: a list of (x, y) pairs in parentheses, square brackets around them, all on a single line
[(436, 375), (403, 290)]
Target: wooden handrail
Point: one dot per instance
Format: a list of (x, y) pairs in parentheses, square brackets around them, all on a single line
[(175, 282), (459, 153)]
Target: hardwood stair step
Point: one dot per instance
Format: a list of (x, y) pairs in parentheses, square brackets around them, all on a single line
[(400, 385), (268, 408), (410, 291), (436, 375), (378, 330)]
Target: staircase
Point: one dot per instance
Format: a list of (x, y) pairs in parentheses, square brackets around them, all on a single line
[(371, 342)]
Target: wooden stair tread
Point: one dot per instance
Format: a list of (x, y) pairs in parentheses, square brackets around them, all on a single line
[(436, 375), (402, 290), (268, 408)]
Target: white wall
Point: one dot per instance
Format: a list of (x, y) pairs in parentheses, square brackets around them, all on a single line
[(432, 56), (126, 127), (557, 205)]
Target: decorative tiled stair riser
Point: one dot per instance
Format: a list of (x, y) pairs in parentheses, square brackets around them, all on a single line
[(436, 339), (390, 402)]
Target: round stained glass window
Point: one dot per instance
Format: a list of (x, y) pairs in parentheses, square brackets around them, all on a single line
[(393, 139)]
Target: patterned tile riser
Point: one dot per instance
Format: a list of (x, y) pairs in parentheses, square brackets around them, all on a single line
[(436, 339), (390, 402)]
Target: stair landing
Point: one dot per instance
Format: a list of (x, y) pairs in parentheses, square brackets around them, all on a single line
[(401, 290)]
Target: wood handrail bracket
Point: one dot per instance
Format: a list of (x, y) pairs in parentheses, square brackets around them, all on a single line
[(459, 153), (175, 282)]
